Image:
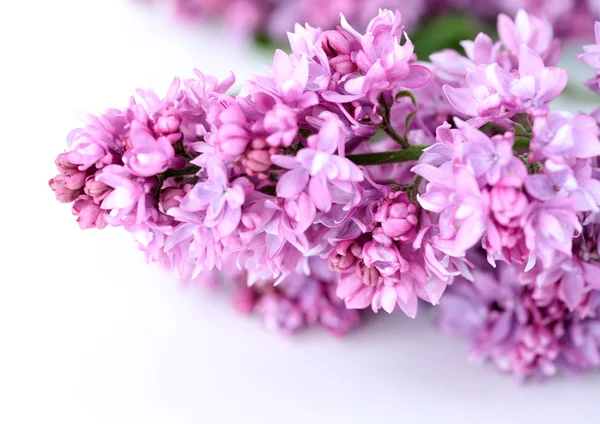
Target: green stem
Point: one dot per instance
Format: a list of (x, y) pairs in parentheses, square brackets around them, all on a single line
[(381, 158), (386, 125), (188, 170)]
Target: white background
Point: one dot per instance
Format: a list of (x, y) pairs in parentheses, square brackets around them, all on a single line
[(90, 334)]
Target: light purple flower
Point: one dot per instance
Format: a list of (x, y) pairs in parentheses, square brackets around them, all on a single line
[(317, 167), (519, 331), (462, 207), (536, 33), (219, 198), (561, 181), (384, 64), (147, 155), (494, 92), (491, 158), (550, 227), (98, 141), (128, 195), (563, 137), (591, 57)]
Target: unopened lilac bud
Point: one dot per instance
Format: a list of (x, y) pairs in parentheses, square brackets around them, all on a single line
[(168, 122), (63, 193), (343, 64), (397, 216), (334, 43), (230, 141), (88, 213), (76, 181), (257, 162), (369, 276), (97, 190), (171, 197), (64, 166), (344, 256)]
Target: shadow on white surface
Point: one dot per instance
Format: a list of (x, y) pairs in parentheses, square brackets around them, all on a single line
[(91, 334)]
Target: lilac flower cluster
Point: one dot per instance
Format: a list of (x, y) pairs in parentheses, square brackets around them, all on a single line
[(275, 17), (354, 176), (523, 329)]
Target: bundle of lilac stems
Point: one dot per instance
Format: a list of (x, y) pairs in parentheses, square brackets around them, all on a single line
[(355, 176), (570, 18)]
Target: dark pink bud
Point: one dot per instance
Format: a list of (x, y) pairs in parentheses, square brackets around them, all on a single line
[(230, 140), (343, 64), (344, 256), (171, 197), (76, 181), (334, 43), (97, 190), (64, 166), (89, 214), (63, 194), (369, 276), (257, 162)]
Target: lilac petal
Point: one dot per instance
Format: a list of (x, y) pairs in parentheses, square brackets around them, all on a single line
[(333, 97), (540, 187), (508, 33), (199, 197), (388, 298), (230, 221), (550, 227), (319, 193), (288, 162), (572, 289), (461, 99), (530, 63), (410, 308), (283, 67), (217, 173), (552, 82), (419, 76), (292, 183), (329, 136)]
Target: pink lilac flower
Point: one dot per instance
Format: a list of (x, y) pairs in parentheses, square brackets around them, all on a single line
[(550, 228), (383, 63), (99, 141), (562, 136), (463, 207), (217, 197), (493, 92), (317, 167)]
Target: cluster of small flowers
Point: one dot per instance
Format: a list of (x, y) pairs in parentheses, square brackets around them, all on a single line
[(523, 329), (275, 17), (354, 176)]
